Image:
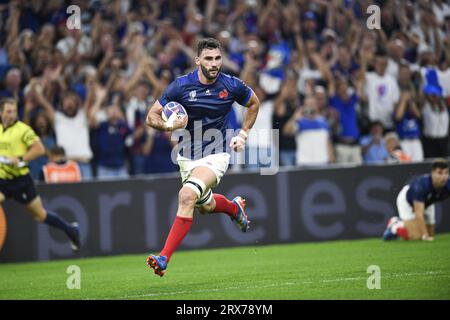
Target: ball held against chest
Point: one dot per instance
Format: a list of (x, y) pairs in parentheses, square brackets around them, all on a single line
[(173, 110)]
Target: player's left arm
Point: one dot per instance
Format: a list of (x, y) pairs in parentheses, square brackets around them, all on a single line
[(419, 210), (238, 142), (251, 114)]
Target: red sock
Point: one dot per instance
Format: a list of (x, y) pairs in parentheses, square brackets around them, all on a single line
[(402, 232), (224, 205), (179, 230)]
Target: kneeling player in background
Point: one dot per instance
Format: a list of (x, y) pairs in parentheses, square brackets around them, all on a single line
[(415, 205)]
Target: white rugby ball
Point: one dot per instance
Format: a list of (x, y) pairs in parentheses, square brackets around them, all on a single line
[(171, 111)]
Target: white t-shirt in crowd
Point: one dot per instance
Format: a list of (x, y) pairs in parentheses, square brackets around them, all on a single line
[(135, 105), (312, 141), (73, 134), (383, 94), (260, 135), (444, 81), (435, 122)]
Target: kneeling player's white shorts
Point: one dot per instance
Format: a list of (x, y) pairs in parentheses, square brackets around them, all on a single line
[(406, 212), (218, 163)]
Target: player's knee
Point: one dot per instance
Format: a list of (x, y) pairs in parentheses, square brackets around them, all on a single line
[(187, 197)]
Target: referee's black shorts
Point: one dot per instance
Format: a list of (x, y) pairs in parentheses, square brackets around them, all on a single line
[(22, 189)]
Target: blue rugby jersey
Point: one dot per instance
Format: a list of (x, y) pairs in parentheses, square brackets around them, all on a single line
[(208, 105), (421, 189)]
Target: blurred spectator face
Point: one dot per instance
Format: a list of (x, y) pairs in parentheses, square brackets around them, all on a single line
[(47, 33), (114, 113), (27, 40), (310, 23), (120, 83), (344, 57), (70, 105), (44, 56), (427, 58), (13, 79), (397, 49), (369, 42), (311, 46), (321, 98), (434, 99), (391, 143), (194, 24), (272, 23), (224, 38), (142, 92), (166, 77), (106, 42), (255, 48), (210, 62), (90, 74), (342, 89), (310, 107), (42, 124), (376, 130), (380, 65), (404, 76), (116, 63)]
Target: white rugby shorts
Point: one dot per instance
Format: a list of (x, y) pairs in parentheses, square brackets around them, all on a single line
[(218, 163), (406, 212)]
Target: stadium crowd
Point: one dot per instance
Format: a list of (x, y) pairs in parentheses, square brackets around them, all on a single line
[(338, 91)]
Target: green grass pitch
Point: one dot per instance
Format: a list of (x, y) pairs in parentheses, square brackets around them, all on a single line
[(326, 270)]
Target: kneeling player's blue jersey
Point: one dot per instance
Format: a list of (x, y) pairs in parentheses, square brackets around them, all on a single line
[(421, 189), (208, 107)]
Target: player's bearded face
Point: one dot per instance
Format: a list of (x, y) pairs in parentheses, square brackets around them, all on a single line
[(210, 62), (210, 73)]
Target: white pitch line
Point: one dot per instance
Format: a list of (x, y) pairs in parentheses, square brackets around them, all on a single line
[(392, 275)]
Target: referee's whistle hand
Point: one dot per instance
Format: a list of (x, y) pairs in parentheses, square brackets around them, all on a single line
[(14, 160)]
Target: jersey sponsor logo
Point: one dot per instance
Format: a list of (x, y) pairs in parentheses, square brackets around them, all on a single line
[(192, 95), (208, 93), (223, 94)]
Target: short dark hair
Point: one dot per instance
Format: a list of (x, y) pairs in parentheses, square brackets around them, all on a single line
[(439, 163), (208, 43), (57, 151), (4, 101)]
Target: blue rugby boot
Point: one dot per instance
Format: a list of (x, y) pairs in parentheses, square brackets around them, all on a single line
[(158, 264), (241, 218)]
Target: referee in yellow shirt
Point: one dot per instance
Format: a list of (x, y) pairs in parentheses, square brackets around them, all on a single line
[(18, 145)]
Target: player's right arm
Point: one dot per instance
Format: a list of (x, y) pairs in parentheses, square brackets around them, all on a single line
[(419, 209), (154, 119)]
